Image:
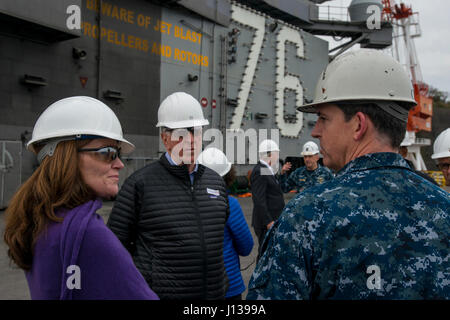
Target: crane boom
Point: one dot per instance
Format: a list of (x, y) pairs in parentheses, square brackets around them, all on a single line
[(406, 25)]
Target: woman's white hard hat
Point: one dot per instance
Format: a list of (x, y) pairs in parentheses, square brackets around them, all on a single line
[(76, 118)]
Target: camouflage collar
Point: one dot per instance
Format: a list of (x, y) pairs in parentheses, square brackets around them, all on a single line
[(374, 160)]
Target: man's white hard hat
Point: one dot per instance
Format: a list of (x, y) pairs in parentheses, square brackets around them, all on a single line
[(364, 75), (441, 146), (76, 118), (215, 159), (180, 110), (310, 148), (268, 146)]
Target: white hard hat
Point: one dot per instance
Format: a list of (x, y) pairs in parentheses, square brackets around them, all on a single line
[(441, 146), (363, 75), (180, 110), (309, 149), (215, 159), (74, 117), (268, 146)]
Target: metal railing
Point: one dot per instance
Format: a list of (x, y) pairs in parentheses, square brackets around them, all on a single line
[(10, 169), (422, 142)]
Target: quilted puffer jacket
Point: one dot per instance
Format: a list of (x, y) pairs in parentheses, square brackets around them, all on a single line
[(174, 230)]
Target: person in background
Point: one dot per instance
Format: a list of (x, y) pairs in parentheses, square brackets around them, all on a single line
[(267, 196), (238, 239), (52, 229), (171, 214), (441, 154), (403, 151), (307, 176)]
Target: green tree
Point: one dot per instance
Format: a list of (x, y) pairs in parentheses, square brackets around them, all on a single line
[(437, 95)]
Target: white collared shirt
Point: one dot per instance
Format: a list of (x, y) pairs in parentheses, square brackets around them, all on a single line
[(267, 165), (191, 175)]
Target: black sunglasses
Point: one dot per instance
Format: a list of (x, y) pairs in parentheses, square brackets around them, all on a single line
[(190, 129), (107, 154)]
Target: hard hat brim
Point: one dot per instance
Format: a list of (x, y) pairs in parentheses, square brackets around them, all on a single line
[(183, 124), (312, 107), (309, 153), (441, 155), (227, 169), (125, 145), (308, 108), (267, 150)]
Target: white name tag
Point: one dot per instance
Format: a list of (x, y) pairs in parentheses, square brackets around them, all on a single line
[(213, 192)]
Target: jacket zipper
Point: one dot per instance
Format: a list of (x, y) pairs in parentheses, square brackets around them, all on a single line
[(202, 242)]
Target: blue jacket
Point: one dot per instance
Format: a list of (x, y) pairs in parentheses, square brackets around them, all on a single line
[(376, 231), (237, 241)]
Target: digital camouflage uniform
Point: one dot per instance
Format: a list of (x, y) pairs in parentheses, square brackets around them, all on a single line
[(376, 213), (303, 178)]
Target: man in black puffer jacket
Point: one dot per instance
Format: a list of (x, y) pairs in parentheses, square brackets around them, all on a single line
[(171, 214)]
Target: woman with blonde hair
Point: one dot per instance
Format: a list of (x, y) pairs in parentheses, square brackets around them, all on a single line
[(52, 229)]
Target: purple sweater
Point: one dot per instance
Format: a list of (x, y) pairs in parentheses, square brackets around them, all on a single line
[(81, 258)]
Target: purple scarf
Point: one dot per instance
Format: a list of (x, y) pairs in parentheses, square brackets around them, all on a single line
[(81, 258)]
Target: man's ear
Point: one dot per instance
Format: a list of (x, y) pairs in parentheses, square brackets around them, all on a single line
[(361, 125), (165, 139)]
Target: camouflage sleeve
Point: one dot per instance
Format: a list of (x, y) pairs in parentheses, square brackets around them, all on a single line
[(283, 272), (329, 174), (283, 182)]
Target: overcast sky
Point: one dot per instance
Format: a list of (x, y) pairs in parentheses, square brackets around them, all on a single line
[(433, 47)]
